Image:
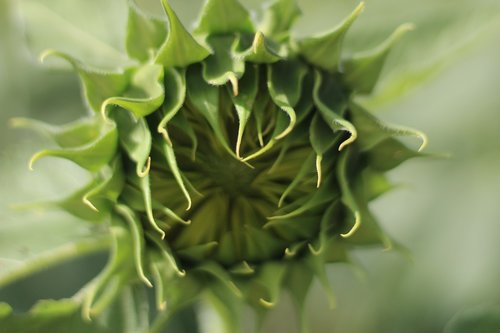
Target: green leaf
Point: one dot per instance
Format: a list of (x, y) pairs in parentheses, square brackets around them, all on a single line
[(144, 94), (180, 49), (324, 50), (224, 17), (331, 103), (97, 85), (279, 19), (362, 71), (91, 155), (224, 65), (144, 34)]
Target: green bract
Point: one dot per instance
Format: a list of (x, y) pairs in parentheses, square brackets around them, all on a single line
[(232, 160)]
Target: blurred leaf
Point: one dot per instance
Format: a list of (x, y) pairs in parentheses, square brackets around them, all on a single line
[(129, 314), (476, 320), (54, 24), (52, 257)]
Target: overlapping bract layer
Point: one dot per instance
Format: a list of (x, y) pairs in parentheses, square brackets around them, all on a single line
[(232, 160)]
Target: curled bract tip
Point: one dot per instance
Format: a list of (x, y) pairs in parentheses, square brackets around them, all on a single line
[(145, 171), (163, 131), (47, 53), (104, 112), (234, 83), (266, 304), (319, 158), (355, 227), (313, 251), (348, 141), (146, 281), (89, 204), (425, 140), (34, 159), (257, 41)]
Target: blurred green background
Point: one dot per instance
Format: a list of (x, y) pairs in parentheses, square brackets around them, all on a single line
[(444, 79)]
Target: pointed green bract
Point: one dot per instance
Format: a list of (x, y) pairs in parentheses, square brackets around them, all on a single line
[(331, 104), (261, 51), (98, 86), (144, 94), (180, 49), (279, 19), (362, 71), (324, 50), (205, 100), (144, 34), (92, 155), (321, 140), (223, 66), (175, 94), (372, 130), (224, 17), (244, 102), (135, 138)]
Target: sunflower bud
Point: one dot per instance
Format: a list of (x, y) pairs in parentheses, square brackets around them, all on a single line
[(232, 160)]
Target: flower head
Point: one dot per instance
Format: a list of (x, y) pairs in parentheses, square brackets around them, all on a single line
[(233, 159)]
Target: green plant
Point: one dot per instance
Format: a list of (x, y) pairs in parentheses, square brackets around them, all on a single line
[(232, 162)]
